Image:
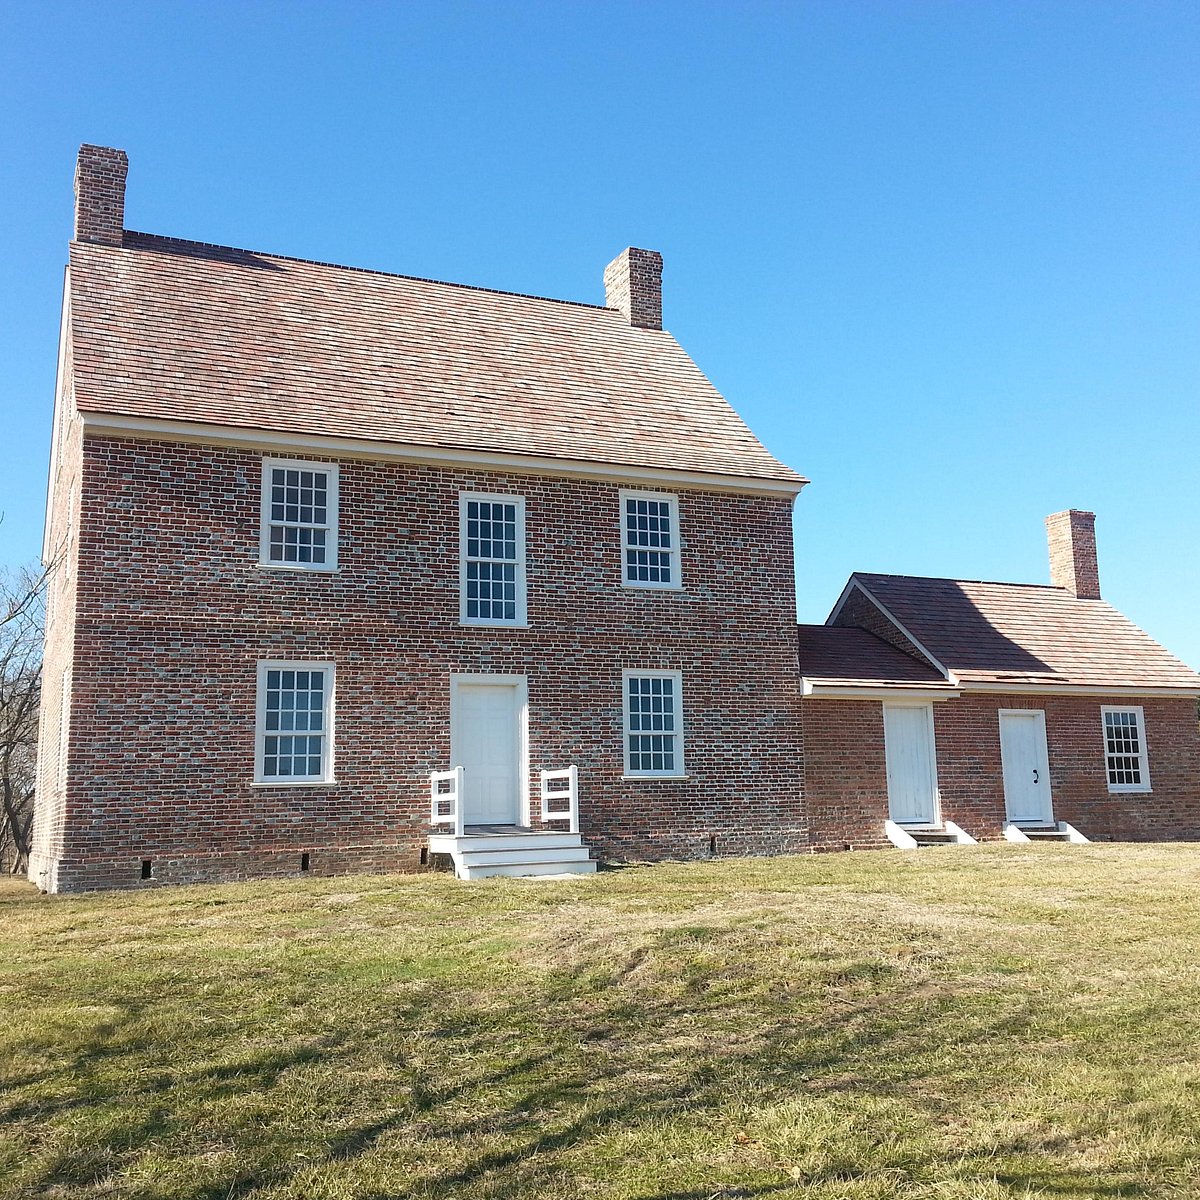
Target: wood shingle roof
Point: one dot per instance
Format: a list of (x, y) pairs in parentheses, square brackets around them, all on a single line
[(1012, 633), (172, 330)]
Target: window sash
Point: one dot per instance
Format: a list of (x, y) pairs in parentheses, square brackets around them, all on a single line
[(653, 723), (294, 722), (1126, 763), (298, 530), (650, 540), (492, 584)]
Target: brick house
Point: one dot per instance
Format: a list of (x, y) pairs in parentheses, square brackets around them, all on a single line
[(322, 532), (354, 569), (954, 710)]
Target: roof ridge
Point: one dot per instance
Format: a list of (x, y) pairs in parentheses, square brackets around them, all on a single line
[(316, 262), (1045, 587)]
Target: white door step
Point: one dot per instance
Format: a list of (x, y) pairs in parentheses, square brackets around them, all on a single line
[(584, 866), (447, 843), (509, 850), (1063, 831), (510, 858)]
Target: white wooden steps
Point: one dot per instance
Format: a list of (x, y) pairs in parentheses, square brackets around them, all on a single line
[(478, 851), (482, 851), (922, 837), (1060, 831)]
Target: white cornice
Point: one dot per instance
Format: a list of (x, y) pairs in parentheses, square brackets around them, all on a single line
[(115, 425), (1074, 689), (843, 690)]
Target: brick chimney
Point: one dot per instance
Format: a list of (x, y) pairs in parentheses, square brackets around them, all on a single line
[(1072, 538), (100, 194), (633, 285)]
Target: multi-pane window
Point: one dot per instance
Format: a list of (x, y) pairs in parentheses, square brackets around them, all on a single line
[(295, 710), (653, 723), (1125, 758), (650, 539), (299, 515), (493, 559)]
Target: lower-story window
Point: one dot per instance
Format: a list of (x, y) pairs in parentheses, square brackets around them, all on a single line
[(295, 722), (653, 723), (1125, 759)]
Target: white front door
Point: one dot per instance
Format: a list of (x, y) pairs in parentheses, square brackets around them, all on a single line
[(1026, 766), (911, 763), (485, 737)]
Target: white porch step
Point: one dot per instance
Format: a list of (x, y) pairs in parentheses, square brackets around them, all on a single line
[(575, 866), (514, 852), (531, 854), (447, 843)]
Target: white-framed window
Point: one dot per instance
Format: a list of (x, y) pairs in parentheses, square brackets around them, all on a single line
[(295, 722), (491, 559), (299, 515), (650, 539), (1125, 761), (653, 723)]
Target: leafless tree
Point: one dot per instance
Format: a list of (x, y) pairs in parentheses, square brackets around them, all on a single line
[(22, 617)]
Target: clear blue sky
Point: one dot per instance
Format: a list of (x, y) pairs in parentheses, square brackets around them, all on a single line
[(943, 257)]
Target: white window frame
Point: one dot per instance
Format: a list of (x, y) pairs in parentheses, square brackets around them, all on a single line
[(326, 777), (332, 501), (678, 771), (672, 501), (1143, 751), (521, 620)]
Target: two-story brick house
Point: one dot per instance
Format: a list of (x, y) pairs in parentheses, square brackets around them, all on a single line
[(321, 531), (352, 569)]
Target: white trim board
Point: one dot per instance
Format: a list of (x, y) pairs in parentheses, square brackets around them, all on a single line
[(849, 691), (268, 441), (64, 326), (1073, 689)]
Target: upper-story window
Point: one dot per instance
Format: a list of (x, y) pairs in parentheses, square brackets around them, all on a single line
[(650, 539), (492, 559), (299, 515), (1125, 759)]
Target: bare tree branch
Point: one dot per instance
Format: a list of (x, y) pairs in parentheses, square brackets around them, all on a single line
[(22, 618)]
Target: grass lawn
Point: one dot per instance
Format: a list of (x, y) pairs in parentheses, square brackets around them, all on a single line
[(988, 1022)]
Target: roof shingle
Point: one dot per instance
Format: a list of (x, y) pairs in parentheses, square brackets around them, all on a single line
[(835, 654)]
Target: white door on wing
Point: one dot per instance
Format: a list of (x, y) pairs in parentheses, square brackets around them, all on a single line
[(911, 763), (487, 744), (1026, 764)]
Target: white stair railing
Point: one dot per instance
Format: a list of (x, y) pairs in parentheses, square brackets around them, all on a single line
[(559, 787), (445, 802)]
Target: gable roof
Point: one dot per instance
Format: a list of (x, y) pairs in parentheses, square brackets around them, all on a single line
[(1016, 633), (182, 331), (852, 657)]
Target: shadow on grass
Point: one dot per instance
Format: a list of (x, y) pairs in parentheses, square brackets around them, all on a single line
[(503, 1119)]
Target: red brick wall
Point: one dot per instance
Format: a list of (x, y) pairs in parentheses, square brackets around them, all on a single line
[(846, 777), (972, 786), (174, 612), (845, 773), (62, 552)]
